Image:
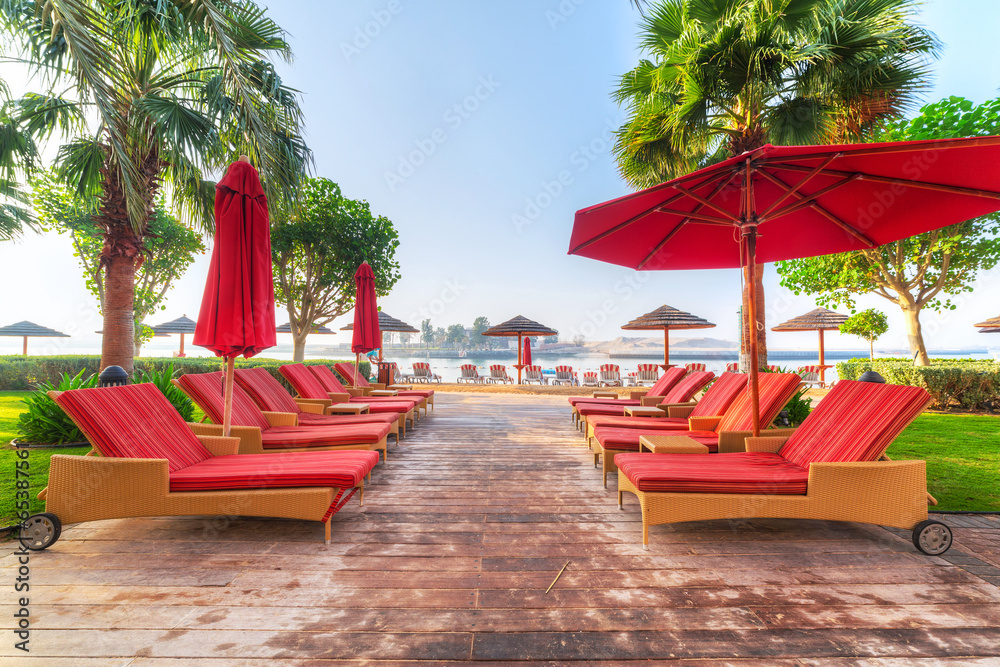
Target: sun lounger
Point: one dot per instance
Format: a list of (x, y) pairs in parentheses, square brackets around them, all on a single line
[(726, 433), (422, 373), (261, 432), (810, 375), (470, 374), (534, 374), (831, 468), (424, 396), (498, 375), (733, 367), (308, 386), (616, 406), (647, 374), (152, 464), (693, 368), (565, 375), (610, 376), (590, 379), (271, 396)]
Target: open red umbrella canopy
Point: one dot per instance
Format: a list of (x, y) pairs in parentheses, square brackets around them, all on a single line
[(802, 200), (367, 335), (237, 309)]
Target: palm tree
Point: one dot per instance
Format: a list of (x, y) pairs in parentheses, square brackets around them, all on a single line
[(18, 159), (726, 76), (177, 88)]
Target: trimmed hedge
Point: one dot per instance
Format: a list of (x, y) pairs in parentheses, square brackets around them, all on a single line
[(20, 373), (971, 384)]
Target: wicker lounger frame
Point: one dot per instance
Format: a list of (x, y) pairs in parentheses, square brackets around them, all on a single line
[(363, 391), (885, 493), (95, 488)]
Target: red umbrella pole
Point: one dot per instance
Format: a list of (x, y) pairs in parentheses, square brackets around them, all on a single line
[(357, 365), (227, 413)]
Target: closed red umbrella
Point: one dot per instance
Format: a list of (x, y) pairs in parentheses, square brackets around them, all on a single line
[(785, 202), (367, 335), (527, 352), (237, 309)]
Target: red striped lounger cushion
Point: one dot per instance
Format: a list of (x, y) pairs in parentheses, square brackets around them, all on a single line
[(347, 371), (304, 381), (135, 422), (265, 390), (627, 439), (318, 436), (311, 419), (742, 472), (776, 389), (856, 421), (205, 389), (720, 395), (642, 423), (343, 469), (683, 391)]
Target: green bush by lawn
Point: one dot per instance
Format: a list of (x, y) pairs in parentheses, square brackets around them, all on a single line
[(970, 384)]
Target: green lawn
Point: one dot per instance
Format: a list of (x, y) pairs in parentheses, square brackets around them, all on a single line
[(962, 454)]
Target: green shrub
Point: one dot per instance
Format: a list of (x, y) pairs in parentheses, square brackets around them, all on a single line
[(970, 384), (799, 407), (44, 421)]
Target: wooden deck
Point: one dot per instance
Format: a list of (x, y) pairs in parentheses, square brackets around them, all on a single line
[(449, 560)]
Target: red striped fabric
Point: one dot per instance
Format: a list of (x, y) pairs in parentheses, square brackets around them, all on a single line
[(326, 378), (664, 385), (343, 469), (319, 436), (667, 381), (733, 367), (694, 367), (776, 389), (265, 390), (742, 472), (644, 423), (304, 381), (720, 395), (608, 368), (346, 371), (684, 390), (312, 419), (856, 421), (205, 389), (627, 439), (616, 408), (136, 422)]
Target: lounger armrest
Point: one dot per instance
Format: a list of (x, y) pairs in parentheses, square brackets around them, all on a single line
[(681, 411), (341, 397), (321, 402), (735, 441), (85, 488), (376, 385), (220, 446), (250, 442), (896, 489), (649, 401), (281, 418), (765, 444), (638, 394), (311, 407), (666, 407), (605, 394), (353, 392), (205, 428), (703, 423)]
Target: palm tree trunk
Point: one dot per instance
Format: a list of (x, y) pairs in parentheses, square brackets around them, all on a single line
[(118, 344), (748, 327)]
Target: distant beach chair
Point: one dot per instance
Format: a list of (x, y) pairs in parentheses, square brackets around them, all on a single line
[(647, 374), (734, 367), (810, 375), (694, 368), (422, 373), (773, 368), (590, 379), (498, 375), (470, 374), (611, 375), (565, 375), (534, 374)]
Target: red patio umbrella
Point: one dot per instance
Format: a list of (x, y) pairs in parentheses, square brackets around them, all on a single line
[(367, 335), (237, 309), (526, 359), (785, 202)]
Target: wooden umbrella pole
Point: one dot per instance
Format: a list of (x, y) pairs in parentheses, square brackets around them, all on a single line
[(227, 414), (25, 346), (822, 361), (357, 365), (520, 350), (666, 348), (181, 353)]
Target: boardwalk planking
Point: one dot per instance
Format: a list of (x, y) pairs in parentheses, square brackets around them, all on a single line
[(449, 560)]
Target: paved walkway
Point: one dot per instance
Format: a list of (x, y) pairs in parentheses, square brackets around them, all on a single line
[(449, 560)]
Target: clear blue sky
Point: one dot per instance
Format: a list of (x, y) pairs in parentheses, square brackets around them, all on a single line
[(461, 122)]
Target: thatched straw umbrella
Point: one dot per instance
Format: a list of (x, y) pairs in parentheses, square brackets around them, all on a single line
[(991, 325), (27, 330), (387, 322), (520, 326), (820, 319), (667, 318), (323, 331), (183, 325)]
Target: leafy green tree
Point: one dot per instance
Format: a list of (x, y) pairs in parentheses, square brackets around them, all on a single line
[(923, 271), (868, 324), (174, 88), (727, 76), (479, 325), (170, 249), (427, 332), (440, 336), (551, 340), (316, 249), (18, 159), (455, 335)]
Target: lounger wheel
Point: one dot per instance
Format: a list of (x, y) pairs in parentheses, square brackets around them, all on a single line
[(932, 537), (40, 531)]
